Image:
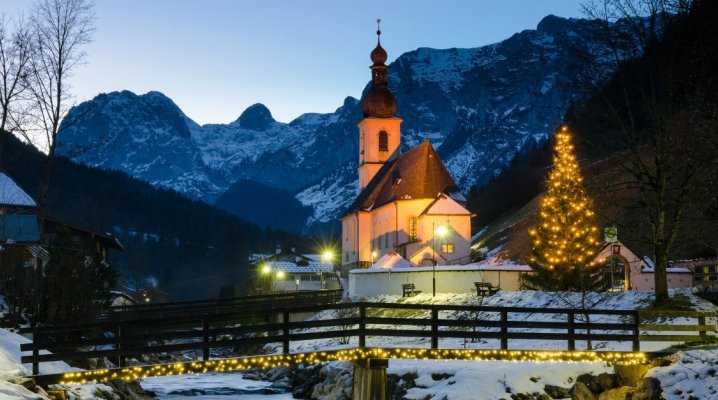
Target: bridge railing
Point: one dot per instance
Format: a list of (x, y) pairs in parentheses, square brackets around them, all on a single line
[(263, 302), (346, 325)]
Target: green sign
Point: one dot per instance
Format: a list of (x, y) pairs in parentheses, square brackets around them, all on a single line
[(611, 234)]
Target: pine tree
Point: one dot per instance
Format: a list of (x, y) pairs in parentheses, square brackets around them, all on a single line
[(564, 243)]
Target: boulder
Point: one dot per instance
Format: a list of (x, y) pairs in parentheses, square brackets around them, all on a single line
[(649, 389), (619, 393), (581, 391), (591, 382), (607, 381), (557, 392), (630, 375)]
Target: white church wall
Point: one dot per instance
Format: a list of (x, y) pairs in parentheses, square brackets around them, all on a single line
[(449, 279)]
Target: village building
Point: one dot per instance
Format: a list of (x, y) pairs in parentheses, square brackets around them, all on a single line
[(22, 237), (407, 203), (291, 271)]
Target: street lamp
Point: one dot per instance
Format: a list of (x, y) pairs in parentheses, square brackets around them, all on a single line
[(327, 257), (441, 231), (280, 276), (266, 274)]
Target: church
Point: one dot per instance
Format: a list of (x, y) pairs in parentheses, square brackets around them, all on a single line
[(407, 203)]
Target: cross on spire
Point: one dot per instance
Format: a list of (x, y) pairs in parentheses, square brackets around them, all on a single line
[(378, 29)]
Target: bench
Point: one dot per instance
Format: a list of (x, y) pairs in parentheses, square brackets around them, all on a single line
[(408, 290), (485, 289)]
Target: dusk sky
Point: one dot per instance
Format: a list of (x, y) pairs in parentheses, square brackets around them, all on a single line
[(215, 58)]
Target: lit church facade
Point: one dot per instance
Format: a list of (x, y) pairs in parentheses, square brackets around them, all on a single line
[(407, 203)]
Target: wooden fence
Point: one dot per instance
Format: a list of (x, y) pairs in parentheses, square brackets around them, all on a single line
[(118, 339)]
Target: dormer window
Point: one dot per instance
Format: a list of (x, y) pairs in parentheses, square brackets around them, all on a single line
[(383, 141)]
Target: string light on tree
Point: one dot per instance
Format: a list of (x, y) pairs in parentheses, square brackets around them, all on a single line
[(564, 241)]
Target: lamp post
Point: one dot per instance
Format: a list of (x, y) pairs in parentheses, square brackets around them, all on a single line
[(267, 274), (441, 232), (327, 256), (280, 275)]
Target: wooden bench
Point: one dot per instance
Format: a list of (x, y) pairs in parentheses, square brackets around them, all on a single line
[(408, 290), (485, 289)]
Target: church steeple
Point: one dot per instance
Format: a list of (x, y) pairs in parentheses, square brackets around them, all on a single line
[(379, 132), (379, 102)]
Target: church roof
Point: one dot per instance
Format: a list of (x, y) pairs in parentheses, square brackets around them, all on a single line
[(416, 174)]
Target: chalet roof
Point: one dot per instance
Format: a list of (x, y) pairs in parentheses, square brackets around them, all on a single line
[(416, 174), (107, 239), (12, 195)]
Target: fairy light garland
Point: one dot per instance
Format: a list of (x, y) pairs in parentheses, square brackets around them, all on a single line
[(272, 361)]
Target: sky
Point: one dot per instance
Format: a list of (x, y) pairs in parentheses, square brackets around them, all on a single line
[(215, 58)]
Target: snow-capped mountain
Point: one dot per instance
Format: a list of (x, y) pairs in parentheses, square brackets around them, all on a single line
[(478, 106)]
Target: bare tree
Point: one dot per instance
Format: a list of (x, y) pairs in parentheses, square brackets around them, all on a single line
[(653, 108), (60, 29), (15, 57)]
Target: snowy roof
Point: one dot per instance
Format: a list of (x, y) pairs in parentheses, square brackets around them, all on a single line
[(290, 267), (12, 194), (392, 260)]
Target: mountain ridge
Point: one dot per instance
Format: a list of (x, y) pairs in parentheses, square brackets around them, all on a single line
[(479, 107)]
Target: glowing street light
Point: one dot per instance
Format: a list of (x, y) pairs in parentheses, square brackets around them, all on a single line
[(328, 255), (266, 269), (280, 274), (439, 231)]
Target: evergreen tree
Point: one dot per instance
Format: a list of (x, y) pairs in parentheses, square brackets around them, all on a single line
[(564, 243)]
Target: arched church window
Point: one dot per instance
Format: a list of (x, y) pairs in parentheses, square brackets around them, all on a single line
[(383, 141), (412, 229)]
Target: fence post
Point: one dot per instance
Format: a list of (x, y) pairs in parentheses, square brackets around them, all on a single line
[(205, 340), (362, 325), (702, 321), (35, 352), (285, 332), (434, 328), (571, 332), (636, 331), (504, 330), (120, 347)]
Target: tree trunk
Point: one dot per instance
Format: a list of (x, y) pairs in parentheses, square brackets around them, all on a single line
[(661, 276)]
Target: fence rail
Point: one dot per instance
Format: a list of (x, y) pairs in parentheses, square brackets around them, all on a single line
[(118, 339)]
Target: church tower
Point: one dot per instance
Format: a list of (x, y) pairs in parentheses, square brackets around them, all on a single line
[(379, 131)]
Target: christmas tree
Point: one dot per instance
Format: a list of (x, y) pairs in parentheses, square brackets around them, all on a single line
[(564, 241)]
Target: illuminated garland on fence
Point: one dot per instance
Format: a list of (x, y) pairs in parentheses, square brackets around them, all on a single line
[(272, 361)]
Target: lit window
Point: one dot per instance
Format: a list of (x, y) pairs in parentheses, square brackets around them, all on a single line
[(412, 229), (383, 141), (447, 248)]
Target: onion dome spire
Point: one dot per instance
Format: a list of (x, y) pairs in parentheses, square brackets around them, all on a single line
[(379, 102)]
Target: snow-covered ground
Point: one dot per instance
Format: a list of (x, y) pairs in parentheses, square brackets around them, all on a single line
[(694, 374)]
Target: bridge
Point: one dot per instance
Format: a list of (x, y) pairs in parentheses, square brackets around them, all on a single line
[(363, 332)]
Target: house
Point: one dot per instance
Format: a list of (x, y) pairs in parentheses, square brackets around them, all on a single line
[(628, 271), (407, 203), (289, 271), (20, 228)]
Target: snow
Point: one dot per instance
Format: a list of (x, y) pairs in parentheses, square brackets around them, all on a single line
[(12, 194), (391, 260), (214, 386), (10, 367), (495, 381), (692, 376)]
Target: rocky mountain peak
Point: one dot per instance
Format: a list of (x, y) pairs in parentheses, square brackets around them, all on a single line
[(256, 117)]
